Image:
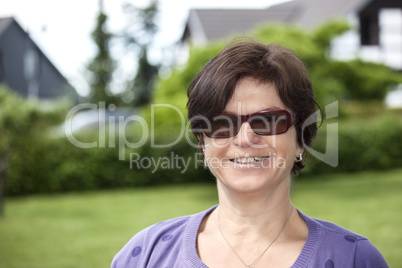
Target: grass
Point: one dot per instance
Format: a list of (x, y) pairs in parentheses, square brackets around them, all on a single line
[(87, 229)]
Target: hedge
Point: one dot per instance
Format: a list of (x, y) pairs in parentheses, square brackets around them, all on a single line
[(372, 143), (55, 165)]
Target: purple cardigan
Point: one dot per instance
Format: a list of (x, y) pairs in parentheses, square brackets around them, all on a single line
[(172, 244)]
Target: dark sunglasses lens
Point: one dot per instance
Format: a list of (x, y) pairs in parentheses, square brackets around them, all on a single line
[(269, 123), (224, 126)]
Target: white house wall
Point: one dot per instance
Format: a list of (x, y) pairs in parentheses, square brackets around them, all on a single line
[(391, 36)]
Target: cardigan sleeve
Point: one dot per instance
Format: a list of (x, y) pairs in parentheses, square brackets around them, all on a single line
[(368, 256)]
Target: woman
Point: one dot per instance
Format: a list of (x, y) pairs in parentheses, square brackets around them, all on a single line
[(247, 107)]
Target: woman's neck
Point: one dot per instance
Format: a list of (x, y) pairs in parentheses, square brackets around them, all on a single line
[(265, 211)]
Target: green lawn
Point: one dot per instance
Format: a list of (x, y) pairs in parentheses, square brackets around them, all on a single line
[(87, 229)]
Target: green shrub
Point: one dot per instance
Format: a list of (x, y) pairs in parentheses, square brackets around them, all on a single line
[(364, 144), (56, 165)]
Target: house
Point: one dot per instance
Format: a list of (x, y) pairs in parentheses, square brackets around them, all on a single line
[(377, 35), (25, 68)]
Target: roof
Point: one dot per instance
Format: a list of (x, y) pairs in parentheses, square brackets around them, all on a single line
[(217, 23), (209, 24), (5, 23), (314, 12)]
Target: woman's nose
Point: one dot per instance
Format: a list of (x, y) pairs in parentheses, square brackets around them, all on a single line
[(246, 136)]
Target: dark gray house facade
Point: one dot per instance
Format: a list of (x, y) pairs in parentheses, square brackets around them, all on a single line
[(25, 68)]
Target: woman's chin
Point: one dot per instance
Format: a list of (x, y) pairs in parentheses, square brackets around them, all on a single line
[(245, 183)]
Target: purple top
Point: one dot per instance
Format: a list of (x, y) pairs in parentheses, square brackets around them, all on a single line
[(172, 244)]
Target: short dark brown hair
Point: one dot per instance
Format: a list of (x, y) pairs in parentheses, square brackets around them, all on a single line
[(213, 86)]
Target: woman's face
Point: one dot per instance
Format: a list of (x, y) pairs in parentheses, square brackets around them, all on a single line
[(250, 162)]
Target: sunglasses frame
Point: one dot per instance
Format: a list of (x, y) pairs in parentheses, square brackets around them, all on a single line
[(246, 118)]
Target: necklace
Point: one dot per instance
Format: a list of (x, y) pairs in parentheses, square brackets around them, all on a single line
[(265, 250)]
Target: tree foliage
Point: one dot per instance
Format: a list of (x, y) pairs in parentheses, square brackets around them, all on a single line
[(135, 40), (139, 36), (102, 66)]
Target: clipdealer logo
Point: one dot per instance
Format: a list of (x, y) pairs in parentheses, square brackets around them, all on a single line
[(110, 126)]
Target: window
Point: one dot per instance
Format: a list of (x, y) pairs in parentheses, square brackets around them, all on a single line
[(369, 29)]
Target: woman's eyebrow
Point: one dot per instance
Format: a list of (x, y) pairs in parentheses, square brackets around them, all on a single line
[(265, 109), (272, 108)]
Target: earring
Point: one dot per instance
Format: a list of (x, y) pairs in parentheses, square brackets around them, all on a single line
[(300, 158)]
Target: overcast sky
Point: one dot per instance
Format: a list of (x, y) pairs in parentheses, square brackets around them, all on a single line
[(61, 28)]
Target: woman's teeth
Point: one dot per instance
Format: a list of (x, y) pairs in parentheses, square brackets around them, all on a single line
[(248, 160)]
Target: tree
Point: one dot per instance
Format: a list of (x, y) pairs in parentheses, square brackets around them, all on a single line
[(139, 36), (102, 66)]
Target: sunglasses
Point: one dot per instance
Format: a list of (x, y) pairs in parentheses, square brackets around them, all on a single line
[(272, 122)]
